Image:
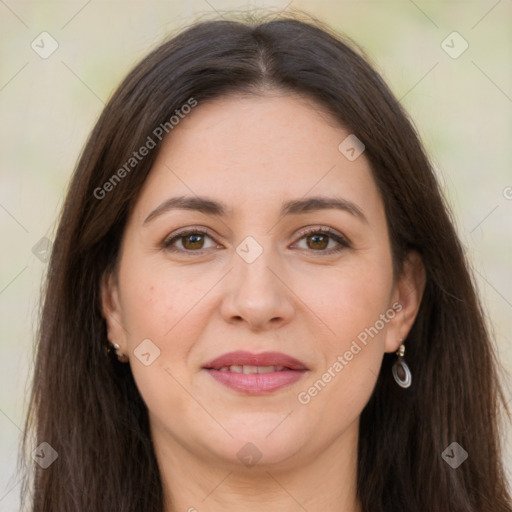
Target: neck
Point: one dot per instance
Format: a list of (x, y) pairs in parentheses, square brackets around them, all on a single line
[(193, 482)]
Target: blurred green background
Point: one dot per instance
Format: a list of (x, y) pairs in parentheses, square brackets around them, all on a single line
[(460, 104)]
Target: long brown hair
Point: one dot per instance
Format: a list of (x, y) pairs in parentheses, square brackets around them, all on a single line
[(85, 404)]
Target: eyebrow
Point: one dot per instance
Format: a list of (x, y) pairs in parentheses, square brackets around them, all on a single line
[(295, 207)]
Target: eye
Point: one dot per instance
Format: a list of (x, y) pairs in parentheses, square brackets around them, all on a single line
[(191, 240), (318, 239)]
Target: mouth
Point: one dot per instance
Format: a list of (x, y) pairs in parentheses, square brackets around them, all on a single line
[(255, 374), (250, 370)]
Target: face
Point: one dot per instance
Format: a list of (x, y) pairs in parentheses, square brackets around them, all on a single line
[(289, 253)]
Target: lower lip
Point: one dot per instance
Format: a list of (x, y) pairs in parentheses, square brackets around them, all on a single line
[(256, 383)]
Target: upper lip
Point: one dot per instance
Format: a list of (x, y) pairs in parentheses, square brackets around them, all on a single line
[(243, 358)]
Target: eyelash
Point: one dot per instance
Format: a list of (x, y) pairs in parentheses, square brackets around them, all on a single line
[(342, 241)]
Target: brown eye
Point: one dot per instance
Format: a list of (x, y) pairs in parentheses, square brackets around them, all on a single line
[(194, 241), (319, 239), (190, 241)]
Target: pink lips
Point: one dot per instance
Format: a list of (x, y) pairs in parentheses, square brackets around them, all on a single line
[(288, 371)]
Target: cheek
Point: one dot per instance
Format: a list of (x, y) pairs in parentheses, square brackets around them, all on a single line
[(351, 298), (157, 299), (353, 304), (161, 305), (158, 312)]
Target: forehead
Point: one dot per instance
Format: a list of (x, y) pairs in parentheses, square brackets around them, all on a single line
[(257, 151)]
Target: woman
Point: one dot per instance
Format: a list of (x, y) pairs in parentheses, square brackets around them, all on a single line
[(256, 298)]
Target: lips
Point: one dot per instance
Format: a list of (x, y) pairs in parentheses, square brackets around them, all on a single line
[(265, 359), (256, 374)]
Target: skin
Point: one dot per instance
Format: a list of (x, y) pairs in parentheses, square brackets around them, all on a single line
[(253, 153)]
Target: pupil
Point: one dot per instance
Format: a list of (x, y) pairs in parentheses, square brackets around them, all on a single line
[(316, 238), (194, 240)]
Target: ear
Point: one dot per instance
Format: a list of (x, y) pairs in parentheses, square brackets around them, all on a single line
[(111, 311), (407, 294)]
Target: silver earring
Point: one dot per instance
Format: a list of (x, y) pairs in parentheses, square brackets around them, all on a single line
[(401, 371), (120, 356)]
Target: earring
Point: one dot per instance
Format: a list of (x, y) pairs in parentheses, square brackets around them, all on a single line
[(401, 371), (120, 356)]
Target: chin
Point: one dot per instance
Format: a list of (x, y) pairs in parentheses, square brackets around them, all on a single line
[(258, 445)]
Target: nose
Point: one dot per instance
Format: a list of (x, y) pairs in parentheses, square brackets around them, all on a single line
[(257, 294)]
